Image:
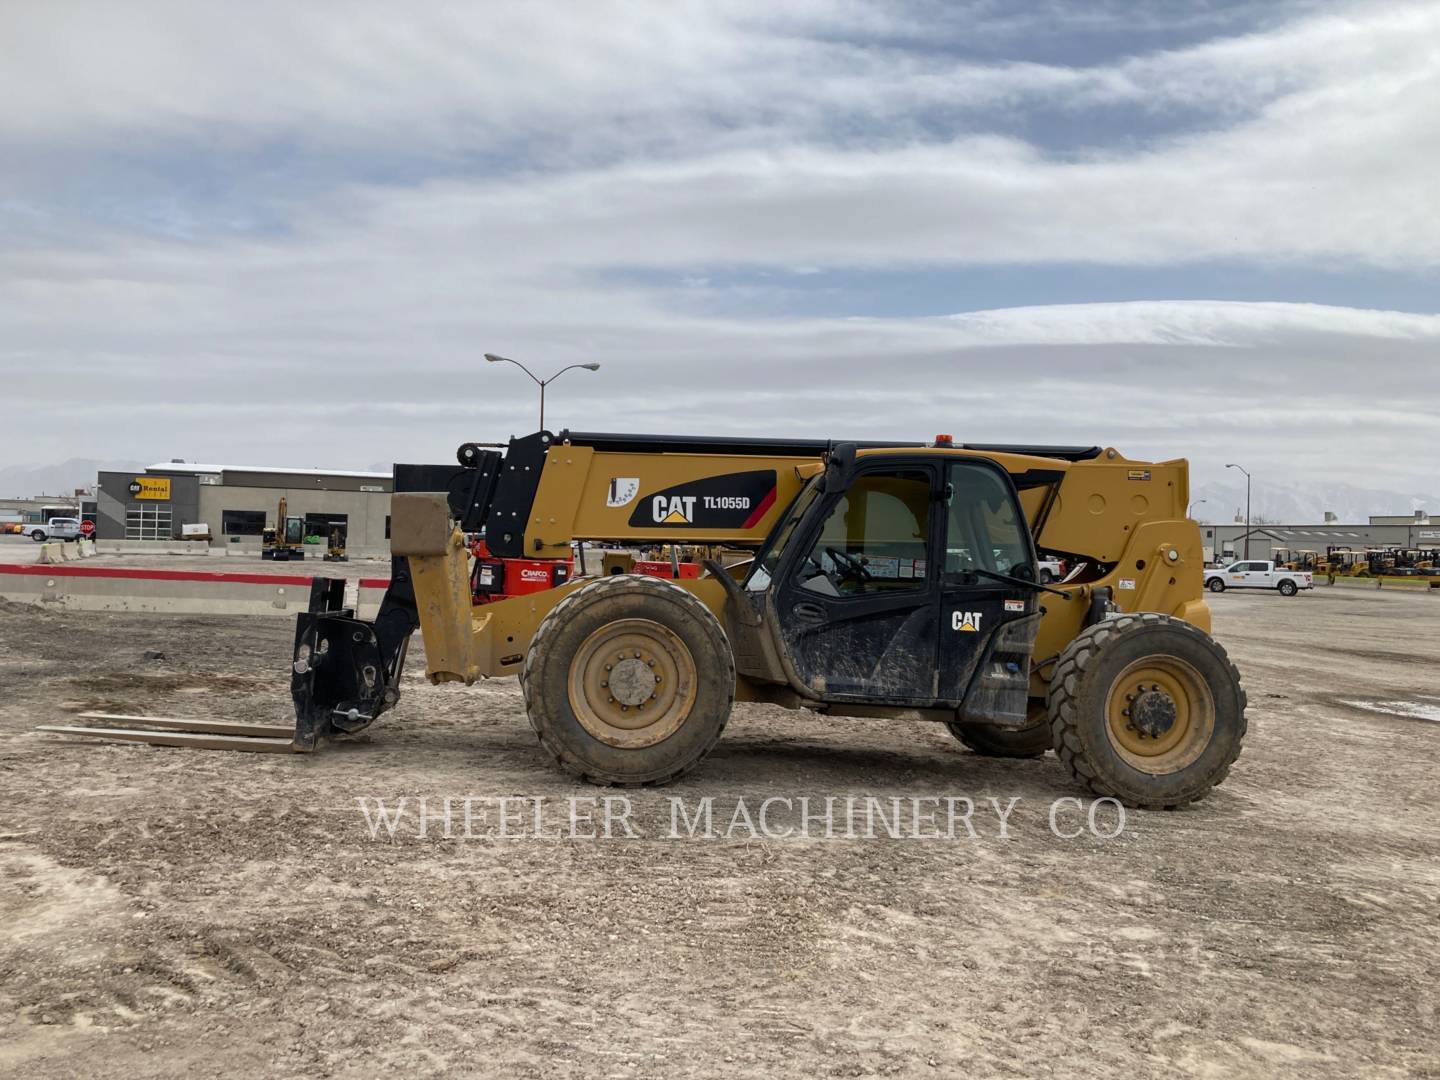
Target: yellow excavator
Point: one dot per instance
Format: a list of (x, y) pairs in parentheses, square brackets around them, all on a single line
[(285, 540), (887, 580)]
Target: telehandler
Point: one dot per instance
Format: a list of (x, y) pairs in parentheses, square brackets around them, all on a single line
[(888, 580)]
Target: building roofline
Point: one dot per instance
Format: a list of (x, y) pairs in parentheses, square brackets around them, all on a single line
[(1302, 525), (193, 467)]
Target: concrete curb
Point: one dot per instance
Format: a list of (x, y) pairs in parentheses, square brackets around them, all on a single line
[(368, 594), (61, 551), (1400, 584), (174, 592), (196, 549)]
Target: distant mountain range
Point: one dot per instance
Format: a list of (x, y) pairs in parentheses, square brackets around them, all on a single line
[(1303, 504), (24, 481)]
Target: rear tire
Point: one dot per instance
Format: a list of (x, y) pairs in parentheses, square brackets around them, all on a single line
[(1147, 709), (610, 651), (1288, 588), (991, 741), (1216, 584)]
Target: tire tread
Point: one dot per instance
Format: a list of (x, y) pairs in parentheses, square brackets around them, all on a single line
[(1064, 690), (550, 627)]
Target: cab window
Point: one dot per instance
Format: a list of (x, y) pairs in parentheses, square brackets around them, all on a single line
[(984, 530), (763, 568), (875, 538)]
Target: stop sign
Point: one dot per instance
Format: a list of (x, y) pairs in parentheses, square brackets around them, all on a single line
[(87, 528)]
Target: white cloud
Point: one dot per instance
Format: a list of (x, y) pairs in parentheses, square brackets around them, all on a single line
[(688, 138), (1190, 322)]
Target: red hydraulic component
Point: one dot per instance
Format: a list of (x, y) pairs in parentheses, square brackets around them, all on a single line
[(494, 578)]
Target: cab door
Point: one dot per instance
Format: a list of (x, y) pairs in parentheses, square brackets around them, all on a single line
[(987, 624), (858, 602)]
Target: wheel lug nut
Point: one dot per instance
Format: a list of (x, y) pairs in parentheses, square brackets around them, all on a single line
[(603, 684), (1124, 712), (611, 700), (652, 663), (637, 656), (607, 667), (1129, 727)]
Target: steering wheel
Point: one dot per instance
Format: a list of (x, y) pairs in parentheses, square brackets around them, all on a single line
[(850, 564)]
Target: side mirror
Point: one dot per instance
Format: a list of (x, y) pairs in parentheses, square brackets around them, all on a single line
[(839, 467)]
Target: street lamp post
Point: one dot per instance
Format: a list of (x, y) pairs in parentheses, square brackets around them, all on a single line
[(542, 383), (1194, 503), (1247, 505)]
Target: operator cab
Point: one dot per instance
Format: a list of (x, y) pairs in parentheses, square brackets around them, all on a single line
[(903, 579)]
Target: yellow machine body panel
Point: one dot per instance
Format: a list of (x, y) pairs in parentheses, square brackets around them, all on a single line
[(585, 494), (1124, 520)]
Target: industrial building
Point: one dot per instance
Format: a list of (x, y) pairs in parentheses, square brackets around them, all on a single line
[(39, 509), (236, 502), (1224, 542)]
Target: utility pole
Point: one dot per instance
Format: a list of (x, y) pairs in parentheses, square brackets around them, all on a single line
[(1247, 505), (542, 383)]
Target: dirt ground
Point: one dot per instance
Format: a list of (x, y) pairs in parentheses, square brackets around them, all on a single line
[(186, 913)]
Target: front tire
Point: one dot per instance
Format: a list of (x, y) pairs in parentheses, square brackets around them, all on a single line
[(38, 536), (629, 680), (1147, 709)]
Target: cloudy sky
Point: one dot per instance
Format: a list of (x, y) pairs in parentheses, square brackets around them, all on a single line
[(286, 233)]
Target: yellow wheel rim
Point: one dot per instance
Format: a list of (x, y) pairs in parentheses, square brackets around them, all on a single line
[(632, 683), (1160, 715)]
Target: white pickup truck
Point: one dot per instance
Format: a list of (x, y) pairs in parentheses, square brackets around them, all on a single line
[(1257, 575), (1051, 570), (55, 529)]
